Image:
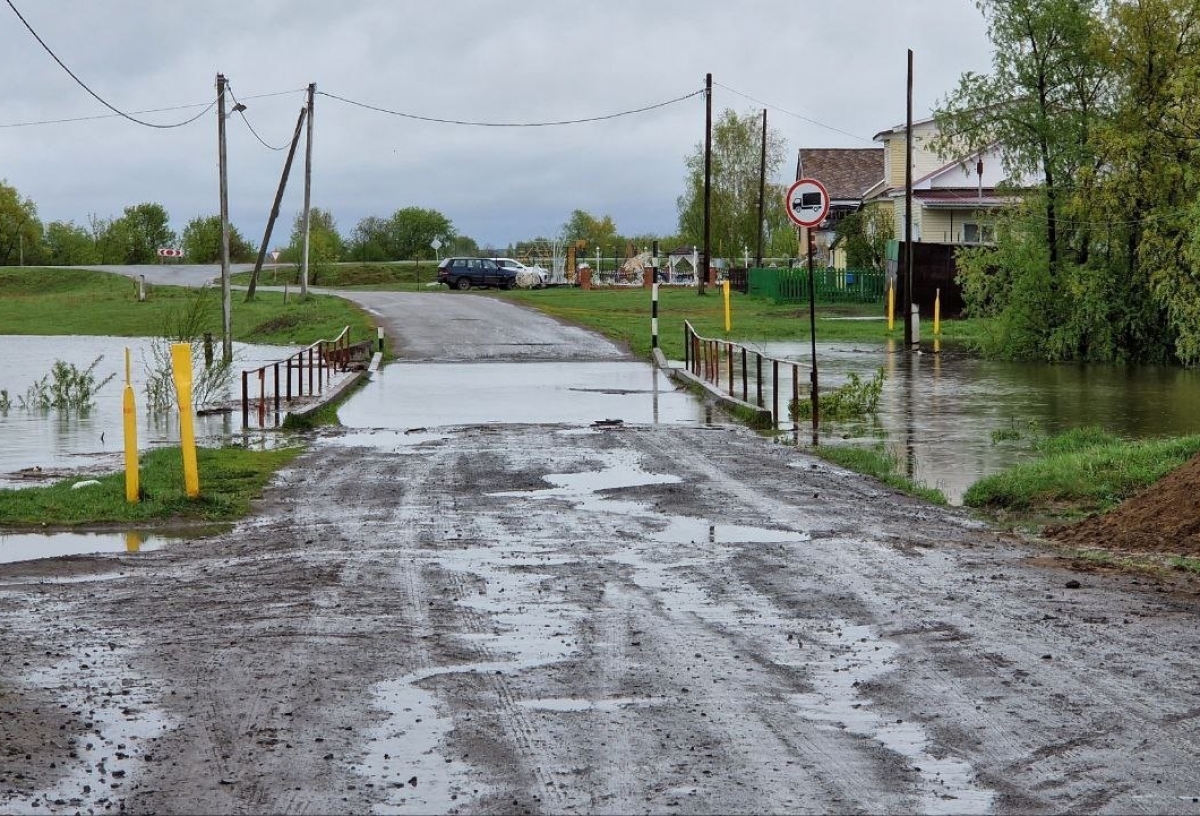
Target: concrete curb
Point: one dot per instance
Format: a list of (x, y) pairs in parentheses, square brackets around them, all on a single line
[(679, 373), (332, 395)]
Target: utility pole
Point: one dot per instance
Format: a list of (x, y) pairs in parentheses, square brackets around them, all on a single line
[(226, 306), (312, 89), (287, 169), (908, 253), (762, 189), (706, 261)]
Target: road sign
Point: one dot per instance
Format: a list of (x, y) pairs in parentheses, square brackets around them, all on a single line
[(274, 254), (170, 252), (436, 243), (807, 203)]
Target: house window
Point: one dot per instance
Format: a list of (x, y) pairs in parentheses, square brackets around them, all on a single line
[(979, 233)]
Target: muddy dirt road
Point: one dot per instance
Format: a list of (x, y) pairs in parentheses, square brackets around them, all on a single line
[(579, 619)]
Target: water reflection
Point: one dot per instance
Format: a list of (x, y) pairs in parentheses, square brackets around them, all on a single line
[(945, 416), (54, 440), (31, 546)]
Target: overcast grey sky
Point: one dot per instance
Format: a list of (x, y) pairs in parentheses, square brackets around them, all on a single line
[(831, 74)]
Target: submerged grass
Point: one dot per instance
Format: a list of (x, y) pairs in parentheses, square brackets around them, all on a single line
[(230, 479), (1082, 471), (877, 462)]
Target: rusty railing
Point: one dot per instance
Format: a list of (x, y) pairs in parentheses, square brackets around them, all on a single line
[(312, 365), (727, 365)]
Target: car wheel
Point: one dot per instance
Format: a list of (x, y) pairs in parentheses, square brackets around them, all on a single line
[(462, 284)]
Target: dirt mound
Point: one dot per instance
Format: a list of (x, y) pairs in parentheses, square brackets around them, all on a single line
[(1163, 518)]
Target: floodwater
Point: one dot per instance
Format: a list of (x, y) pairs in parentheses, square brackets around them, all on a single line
[(431, 395), (951, 419), (57, 440)]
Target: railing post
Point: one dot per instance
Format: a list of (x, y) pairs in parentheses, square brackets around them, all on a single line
[(262, 397), (775, 393), (310, 371), (277, 391), (745, 378), (245, 400), (796, 396), (289, 378), (687, 346), (758, 377), (729, 355)]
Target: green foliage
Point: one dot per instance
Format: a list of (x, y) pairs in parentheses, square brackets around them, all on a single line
[(136, 236), (1086, 470), (325, 245), (68, 244), (201, 242), (65, 388), (230, 478), (857, 398), (734, 191), (20, 229), (864, 236), (880, 464), (595, 232)]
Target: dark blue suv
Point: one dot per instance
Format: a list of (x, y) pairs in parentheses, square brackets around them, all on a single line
[(463, 273)]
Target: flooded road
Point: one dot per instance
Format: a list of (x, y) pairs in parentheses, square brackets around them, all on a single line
[(570, 615)]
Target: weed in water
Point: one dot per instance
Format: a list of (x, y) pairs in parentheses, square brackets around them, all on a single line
[(854, 399)]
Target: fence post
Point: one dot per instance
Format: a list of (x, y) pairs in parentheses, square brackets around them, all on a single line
[(758, 376), (745, 378), (775, 393), (245, 399), (729, 354), (276, 390), (795, 396), (654, 309)]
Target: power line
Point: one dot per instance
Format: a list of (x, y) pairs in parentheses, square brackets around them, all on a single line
[(791, 113), (206, 105), (471, 123), (247, 121), (83, 85)]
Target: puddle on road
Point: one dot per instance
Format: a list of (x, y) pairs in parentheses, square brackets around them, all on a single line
[(403, 759), (432, 395), (948, 784), (32, 546), (120, 727)]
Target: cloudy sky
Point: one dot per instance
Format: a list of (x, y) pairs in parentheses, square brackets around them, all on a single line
[(830, 74)]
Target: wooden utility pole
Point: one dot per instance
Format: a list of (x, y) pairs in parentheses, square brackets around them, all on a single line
[(226, 305), (762, 189), (908, 253), (312, 90), (287, 169), (706, 260)]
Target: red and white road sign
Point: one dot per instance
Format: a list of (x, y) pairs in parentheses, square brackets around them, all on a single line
[(170, 252), (807, 203)]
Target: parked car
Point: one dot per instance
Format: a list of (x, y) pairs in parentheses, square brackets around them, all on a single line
[(463, 273), (538, 277)]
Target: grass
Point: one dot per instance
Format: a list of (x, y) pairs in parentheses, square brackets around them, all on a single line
[(397, 275), (877, 462), (230, 479), (1081, 472), (37, 300)]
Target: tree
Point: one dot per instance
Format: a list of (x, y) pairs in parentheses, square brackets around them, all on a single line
[(325, 245), (136, 236), (68, 244), (20, 229), (864, 237), (201, 242), (368, 240), (583, 226), (736, 175), (411, 230)]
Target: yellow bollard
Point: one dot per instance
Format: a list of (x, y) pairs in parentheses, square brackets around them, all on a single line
[(181, 363), (937, 312), (129, 414), (891, 307), (728, 320)]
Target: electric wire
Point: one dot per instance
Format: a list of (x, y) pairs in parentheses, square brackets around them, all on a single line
[(229, 88), (473, 123), (792, 113), (206, 105), (84, 85)]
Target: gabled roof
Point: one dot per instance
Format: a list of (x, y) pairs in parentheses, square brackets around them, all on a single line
[(847, 173)]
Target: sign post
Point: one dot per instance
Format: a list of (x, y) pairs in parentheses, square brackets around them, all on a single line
[(807, 205)]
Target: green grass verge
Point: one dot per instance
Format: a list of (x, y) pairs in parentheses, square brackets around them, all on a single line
[(877, 462), (230, 478), (398, 275), (1081, 472), (55, 301)]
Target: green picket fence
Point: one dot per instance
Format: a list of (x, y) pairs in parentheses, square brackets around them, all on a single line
[(832, 285)]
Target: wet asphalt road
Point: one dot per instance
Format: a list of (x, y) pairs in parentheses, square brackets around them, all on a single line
[(574, 619)]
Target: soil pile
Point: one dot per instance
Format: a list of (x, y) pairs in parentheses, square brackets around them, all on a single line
[(1163, 518)]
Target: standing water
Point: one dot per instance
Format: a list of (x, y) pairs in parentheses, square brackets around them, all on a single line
[(59, 440)]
